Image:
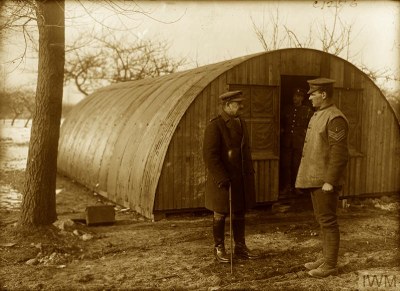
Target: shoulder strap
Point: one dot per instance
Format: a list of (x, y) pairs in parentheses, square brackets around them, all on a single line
[(224, 131)]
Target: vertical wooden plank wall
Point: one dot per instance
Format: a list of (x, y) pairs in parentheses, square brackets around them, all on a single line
[(186, 189), (382, 144), (99, 144), (265, 70), (255, 72), (376, 168), (184, 159)]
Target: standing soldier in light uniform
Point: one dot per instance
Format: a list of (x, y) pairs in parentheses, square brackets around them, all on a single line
[(227, 157), (294, 127), (322, 169)]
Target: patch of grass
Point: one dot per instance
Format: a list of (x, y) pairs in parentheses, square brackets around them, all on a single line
[(15, 178), (6, 139)]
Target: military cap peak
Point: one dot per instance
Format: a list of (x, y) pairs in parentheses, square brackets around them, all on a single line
[(299, 91), (231, 96), (319, 83)]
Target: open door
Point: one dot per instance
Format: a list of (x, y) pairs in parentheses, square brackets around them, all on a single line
[(261, 114), (293, 120)]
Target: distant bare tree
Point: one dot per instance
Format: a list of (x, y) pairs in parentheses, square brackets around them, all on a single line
[(16, 17), (376, 74), (48, 36), (334, 37), (107, 60), (20, 103), (269, 33), (386, 76), (29, 104), (393, 98), (15, 104)]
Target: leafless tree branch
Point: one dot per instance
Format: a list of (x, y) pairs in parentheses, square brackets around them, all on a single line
[(111, 60)]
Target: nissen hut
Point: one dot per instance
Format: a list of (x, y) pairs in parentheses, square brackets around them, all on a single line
[(139, 143)]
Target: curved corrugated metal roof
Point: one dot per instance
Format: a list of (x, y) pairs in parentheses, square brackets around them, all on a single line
[(115, 140)]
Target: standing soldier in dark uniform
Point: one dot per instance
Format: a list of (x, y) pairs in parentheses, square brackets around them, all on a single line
[(322, 169), (294, 127), (228, 161)]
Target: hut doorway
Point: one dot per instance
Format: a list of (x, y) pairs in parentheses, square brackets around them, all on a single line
[(261, 113), (293, 124)]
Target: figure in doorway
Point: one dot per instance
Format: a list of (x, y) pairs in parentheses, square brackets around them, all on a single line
[(293, 129)]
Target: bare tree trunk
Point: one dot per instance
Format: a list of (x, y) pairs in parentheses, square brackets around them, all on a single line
[(27, 121), (14, 118), (38, 205)]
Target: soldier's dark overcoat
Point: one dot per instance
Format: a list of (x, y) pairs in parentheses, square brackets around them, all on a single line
[(294, 126), (227, 155)]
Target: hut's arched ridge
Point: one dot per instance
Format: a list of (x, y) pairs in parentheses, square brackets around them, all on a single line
[(115, 140)]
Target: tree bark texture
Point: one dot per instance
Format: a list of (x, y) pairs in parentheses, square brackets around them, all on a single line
[(39, 202)]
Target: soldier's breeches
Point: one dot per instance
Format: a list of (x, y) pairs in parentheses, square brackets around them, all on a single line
[(238, 225), (325, 207)]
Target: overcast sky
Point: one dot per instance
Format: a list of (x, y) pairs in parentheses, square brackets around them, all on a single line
[(214, 30), (210, 31)]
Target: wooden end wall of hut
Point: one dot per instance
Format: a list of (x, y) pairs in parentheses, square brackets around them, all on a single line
[(374, 165), (182, 180), (374, 138), (140, 143)]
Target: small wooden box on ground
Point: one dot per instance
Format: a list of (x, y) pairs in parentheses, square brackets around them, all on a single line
[(100, 214)]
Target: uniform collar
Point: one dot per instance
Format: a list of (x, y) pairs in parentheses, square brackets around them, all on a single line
[(325, 106), (225, 116)]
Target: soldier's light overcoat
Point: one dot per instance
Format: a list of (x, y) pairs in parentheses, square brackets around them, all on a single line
[(325, 152)]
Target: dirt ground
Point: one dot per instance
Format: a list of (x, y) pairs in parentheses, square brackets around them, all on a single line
[(175, 253)]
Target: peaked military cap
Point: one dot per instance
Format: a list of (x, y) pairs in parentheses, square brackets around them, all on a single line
[(231, 96), (319, 83), (299, 91)]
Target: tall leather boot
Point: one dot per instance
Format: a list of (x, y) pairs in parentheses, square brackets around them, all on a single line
[(319, 261), (219, 236), (241, 251), (331, 249)]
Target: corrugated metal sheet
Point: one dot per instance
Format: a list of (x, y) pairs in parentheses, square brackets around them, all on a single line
[(116, 140)]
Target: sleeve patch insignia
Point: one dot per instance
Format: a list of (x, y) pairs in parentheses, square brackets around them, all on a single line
[(338, 134)]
